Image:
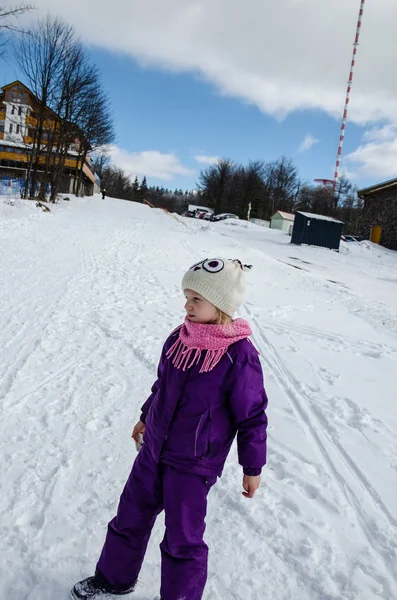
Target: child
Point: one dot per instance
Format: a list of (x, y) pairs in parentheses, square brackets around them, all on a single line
[(209, 387)]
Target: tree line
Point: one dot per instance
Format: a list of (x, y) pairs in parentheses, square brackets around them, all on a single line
[(256, 190), (119, 185), (259, 189), (74, 115)]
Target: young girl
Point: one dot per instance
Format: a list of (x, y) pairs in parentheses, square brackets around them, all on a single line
[(209, 388)]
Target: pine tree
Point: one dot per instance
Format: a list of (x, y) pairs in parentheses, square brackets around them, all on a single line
[(135, 190), (143, 190)]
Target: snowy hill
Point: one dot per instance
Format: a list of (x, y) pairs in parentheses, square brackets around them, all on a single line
[(88, 294)]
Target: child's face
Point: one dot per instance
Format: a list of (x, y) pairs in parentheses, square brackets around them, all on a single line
[(198, 309)]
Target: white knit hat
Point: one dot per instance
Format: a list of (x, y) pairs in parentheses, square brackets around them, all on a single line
[(218, 280)]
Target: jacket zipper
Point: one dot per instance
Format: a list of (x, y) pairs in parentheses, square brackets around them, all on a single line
[(197, 433), (176, 406)]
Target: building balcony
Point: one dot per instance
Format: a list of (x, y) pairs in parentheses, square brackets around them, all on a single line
[(30, 121), (48, 124), (18, 157), (13, 156), (87, 171), (71, 163)]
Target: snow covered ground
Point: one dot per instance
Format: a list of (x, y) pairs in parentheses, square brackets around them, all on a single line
[(88, 294)]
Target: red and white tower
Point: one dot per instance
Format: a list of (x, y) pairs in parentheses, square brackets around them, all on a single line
[(349, 88)]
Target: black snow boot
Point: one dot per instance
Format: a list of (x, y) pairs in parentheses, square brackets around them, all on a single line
[(96, 587)]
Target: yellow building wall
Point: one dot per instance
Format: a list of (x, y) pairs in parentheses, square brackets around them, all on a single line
[(70, 162)]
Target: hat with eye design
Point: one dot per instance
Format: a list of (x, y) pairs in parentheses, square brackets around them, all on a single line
[(220, 281)]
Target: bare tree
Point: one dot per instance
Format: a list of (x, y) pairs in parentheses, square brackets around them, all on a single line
[(117, 183), (281, 182), (8, 19), (67, 83), (215, 184), (101, 162), (344, 189), (41, 56), (267, 187), (78, 78), (247, 189), (96, 125)]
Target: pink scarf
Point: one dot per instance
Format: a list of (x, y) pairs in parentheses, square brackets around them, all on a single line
[(214, 340)]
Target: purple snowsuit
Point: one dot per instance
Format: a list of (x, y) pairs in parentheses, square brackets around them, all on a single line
[(191, 421)]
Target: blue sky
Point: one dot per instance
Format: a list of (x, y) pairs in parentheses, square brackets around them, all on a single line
[(182, 114), (191, 90)]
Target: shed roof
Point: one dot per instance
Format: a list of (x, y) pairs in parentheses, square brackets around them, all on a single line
[(320, 217), (285, 215)]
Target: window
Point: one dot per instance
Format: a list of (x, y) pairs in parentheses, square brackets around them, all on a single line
[(1, 127), (13, 110), (19, 111), (18, 94), (11, 128), (18, 129)]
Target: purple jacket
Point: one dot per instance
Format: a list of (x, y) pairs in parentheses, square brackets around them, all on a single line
[(192, 418)]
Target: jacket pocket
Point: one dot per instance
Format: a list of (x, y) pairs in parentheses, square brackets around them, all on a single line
[(202, 435)]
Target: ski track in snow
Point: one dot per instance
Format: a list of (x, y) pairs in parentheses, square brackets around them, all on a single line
[(328, 445), (91, 293)]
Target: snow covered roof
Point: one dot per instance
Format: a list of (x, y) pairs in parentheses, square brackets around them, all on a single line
[(28, 147), (15, 144), (193, 207), (320, 217), (285, 215)]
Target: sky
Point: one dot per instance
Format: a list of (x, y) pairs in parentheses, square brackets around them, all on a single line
[(191, 81)]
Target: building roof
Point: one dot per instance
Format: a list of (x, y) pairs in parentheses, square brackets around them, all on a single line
[(377, 187), (17, 82), (285, 215), (5, 87), (320, 217)]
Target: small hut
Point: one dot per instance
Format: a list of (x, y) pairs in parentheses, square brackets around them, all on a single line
[(317, 230), (282, 220)]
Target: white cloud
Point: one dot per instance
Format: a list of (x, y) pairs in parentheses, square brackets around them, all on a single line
[(375, 159), (379, 134), (376, 156), (149, 162), (279, 56), (206, 160), (308, 142)]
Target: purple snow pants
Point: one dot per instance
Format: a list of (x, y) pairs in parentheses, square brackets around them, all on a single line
[(151, 488)]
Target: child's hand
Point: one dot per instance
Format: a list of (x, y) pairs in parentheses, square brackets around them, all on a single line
[(139, 428), (251, 484)]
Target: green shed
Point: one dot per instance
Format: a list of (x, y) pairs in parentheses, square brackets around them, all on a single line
[(283, 221)]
